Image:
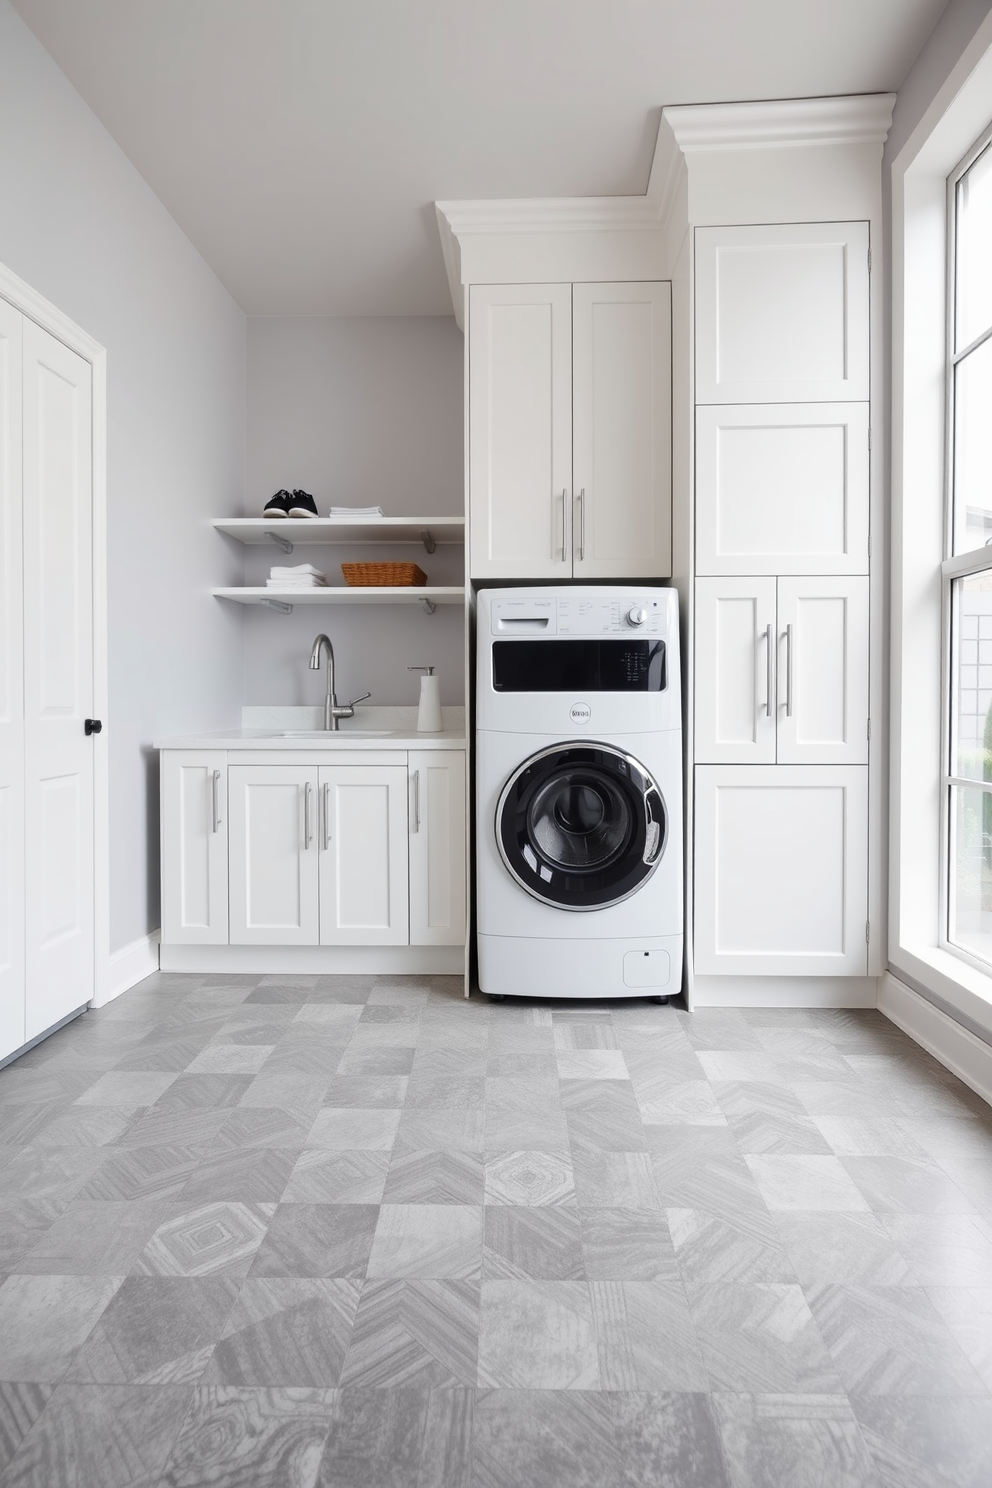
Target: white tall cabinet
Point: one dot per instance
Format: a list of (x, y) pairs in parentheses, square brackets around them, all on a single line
[(46, 681), (781, 642)]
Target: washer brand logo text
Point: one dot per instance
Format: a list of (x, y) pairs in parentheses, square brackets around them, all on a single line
[(580, 713)]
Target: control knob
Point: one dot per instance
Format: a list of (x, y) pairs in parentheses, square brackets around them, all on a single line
[(636, 615)]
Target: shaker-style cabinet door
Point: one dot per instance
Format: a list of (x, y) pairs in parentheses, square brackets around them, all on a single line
[(363, 855), (735, 649), (273, 854), (12, 1034), (194, 847), (782, 488), (782, 313), (823, 671), (781, 870), (520, 430), (437, 847), (622, 430)]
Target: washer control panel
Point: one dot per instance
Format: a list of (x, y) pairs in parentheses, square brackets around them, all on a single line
[(610, 616)]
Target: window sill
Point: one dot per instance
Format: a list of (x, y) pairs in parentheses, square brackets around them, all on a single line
[(961, 990)]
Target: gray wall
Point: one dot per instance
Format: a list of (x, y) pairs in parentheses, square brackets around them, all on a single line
[(80, 225), (359, 412)]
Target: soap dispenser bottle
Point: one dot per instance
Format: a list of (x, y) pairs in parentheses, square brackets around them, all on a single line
[(429, 712)]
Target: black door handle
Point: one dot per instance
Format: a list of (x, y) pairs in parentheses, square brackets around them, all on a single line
[(92, 726)]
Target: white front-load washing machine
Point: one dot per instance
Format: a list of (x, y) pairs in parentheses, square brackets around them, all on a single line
[(579, 792)]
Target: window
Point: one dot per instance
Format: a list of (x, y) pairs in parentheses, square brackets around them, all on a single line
[(967, 567)]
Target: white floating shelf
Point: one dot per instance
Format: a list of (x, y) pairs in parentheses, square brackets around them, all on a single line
[(304, 531), (358, 594)]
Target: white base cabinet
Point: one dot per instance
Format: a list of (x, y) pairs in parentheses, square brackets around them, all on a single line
[(306, 854), (194, 847), (781, 870)]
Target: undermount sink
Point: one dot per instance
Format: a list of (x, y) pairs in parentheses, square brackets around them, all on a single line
[(333, 734)]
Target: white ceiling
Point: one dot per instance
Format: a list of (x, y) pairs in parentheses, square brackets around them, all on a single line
[(301, 143)]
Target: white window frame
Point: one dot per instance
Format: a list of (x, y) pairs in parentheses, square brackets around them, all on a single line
[(918, 955), (954, 567)]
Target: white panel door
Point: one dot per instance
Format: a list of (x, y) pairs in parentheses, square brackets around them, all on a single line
[(437, 847), (782, 488), (823, 671), (58, 679), (621, 423), (520, 430), (781, 870), (273, 854), (11, 690), (364, 855), (194, 847), (735, 650), (782, 313)]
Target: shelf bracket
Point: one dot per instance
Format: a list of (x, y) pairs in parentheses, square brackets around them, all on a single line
[(277, 604), (428, 606), (280, 542), (428, 541)]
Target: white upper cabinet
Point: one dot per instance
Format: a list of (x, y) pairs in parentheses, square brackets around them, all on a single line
[(782, 313), (782, 671), (520, 430), (781, 871), (782, 488), (570, 430), (621, 430)]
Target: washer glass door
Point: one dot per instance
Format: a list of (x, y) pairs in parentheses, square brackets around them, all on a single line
[(581, 826)]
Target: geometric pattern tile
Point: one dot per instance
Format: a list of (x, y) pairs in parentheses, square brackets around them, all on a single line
[(213, 1240), (422, 1333), (530, 1178), (332, 1231)]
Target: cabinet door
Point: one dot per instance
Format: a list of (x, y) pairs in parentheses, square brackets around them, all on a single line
[(437, 847), (194, 848), (520, 430), (735, 671), (782, 313), (273, 853), (12, 1034), (823, 662), (782, 488), (781, 870), (363, 858), (621, 430)]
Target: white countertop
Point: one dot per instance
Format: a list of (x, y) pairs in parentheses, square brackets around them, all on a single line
[(371, 728)]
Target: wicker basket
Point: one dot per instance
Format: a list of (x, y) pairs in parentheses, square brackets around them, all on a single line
[(385, 575)]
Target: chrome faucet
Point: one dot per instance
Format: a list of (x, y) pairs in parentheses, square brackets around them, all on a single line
[(331, 710)]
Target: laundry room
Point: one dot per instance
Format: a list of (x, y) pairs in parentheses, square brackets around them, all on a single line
[(495, 743)]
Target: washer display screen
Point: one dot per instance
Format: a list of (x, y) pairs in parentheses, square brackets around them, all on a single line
[(623, 665), (581, 826)]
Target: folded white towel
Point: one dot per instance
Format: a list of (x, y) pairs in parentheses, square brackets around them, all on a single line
[(309, 582), (295, 571), (356, 511)]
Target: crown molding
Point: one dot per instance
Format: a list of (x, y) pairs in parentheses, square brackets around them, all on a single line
[(780, 123)]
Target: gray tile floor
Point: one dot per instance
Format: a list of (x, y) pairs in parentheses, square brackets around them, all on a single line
[(324, 1232)]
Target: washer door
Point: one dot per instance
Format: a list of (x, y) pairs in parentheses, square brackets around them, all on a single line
[(581, 826)]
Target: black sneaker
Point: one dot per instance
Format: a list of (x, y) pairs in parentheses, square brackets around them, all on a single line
[(278, 505), (301, 504)]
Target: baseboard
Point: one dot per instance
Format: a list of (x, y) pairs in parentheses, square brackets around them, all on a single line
[(316, 960), (128, 966), (957, 1048), (775, 991)]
